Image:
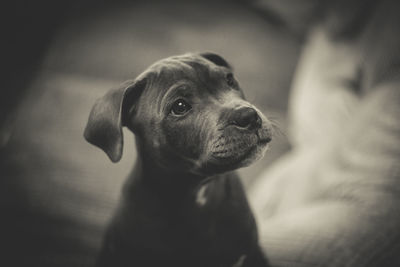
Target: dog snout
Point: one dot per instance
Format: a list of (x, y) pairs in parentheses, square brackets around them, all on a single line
[(246, 117)]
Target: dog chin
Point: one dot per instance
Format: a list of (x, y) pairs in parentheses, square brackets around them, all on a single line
[(232, 160), (254, 156), (246, 158)]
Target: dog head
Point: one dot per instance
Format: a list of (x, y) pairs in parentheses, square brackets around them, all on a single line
[(187, 112)]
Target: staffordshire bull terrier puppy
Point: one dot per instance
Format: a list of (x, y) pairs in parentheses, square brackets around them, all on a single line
[(183, 205)]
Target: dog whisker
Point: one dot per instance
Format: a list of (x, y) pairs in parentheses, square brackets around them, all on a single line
[(276, 128)]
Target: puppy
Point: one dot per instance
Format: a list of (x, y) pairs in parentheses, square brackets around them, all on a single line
[(182, 205)]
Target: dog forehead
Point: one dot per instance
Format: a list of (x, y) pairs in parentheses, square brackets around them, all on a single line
[(185, 59), (190, 67)]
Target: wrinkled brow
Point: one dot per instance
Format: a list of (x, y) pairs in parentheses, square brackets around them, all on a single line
[(179, 89)]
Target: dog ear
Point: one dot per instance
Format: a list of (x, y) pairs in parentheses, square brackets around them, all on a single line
[(104, 126), (216, 59)]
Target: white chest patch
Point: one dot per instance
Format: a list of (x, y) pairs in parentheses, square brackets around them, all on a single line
[(240, 261), (201, 198)]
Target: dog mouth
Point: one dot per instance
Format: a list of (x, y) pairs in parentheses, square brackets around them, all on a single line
[(234, 150)]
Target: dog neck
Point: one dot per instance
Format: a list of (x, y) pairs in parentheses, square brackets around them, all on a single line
[(162, 181), (171, 188)]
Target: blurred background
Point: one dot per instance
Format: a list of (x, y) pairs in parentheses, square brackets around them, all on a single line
[(57, 192)]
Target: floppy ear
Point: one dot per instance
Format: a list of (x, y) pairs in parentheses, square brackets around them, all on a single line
[(216, 59), (104, 126)]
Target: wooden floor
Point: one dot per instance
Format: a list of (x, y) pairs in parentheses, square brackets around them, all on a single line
[(57, 191)]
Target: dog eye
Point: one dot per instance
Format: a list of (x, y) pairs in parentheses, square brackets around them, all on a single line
[(180, 107), (230, 80)]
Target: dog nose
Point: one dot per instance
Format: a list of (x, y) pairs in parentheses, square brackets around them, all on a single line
[(246, 118)]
